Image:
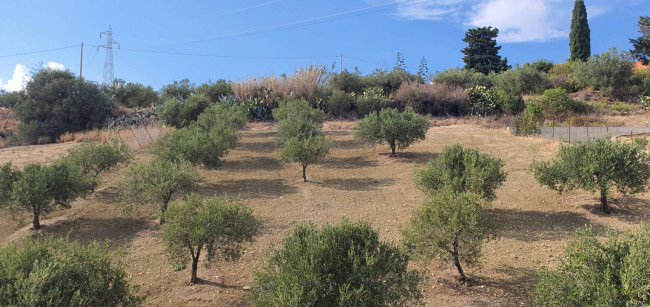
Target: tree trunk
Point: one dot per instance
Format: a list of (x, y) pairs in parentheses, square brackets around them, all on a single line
[(195, 264), (454, 253), (603, 202), (304, 174), (36, 223), (392, 149), (164, 208)]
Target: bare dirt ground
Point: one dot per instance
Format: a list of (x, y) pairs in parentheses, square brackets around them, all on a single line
[(356, 182)]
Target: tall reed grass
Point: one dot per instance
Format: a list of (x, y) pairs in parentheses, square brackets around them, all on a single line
[(136, 137)]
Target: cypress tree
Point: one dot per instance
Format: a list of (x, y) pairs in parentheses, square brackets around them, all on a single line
[(579, 40)]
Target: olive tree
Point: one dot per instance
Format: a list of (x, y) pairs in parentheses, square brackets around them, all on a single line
[(157, 182), (299, 132), (598, 164), (595, 272), (205, 141), (55, 272), (41, 189), (93, 159), (451, 226), (398, 129), (214, 224), (464, 170), (340, 265)]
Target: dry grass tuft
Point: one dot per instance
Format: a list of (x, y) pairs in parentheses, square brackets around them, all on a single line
[(136, 137), (306, 83)]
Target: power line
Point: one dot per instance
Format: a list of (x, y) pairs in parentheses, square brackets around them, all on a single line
[(248, 8), (229, 56), (39, 51), (294, 24)]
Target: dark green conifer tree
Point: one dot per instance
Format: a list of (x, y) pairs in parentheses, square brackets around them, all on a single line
[(579, 38)]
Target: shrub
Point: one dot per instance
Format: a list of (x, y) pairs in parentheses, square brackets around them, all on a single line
[(40, 189), (214, 224), (373, 100), (57, 102), (341, 103), (541, 65), (417, 96), (223, 115), (347, 82), (481, 100), (596, 165), (399, 130), (615, 272), (341, 265), (509, 103), (56, 272), (610, 71), (523, 80), (530, 120), (462, 170), (451, 227), (157, 183), (214, 91), (456, 77), (179, 90), (196, 145), (130, 94), (561, 76), (93, 159), (388, 81), (557, 103), (180, 114), (616, 107)]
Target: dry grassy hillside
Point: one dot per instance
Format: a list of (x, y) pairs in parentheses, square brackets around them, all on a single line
[(356, 182)]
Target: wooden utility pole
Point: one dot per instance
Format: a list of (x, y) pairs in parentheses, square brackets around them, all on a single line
[(81, 61)]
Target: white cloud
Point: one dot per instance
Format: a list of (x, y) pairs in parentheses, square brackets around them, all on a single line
[(54, 66), (517, 20), (18, 80), (522, 21), (428, 10)]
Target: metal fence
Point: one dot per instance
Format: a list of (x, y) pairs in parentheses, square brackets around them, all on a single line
[(570, 134)]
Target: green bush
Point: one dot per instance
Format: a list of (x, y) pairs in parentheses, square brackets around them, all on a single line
[(223, 115), (399, 130), (347, 82), (56, 272), (530, 120), (132, 95), (341, 103), (341, 265), (93, 159), (373, 100), (557, 103), (541, 65), (522, 80), (561, 76), (610, 71), (214, 225), (462, 170), (57, 102), (196, 145), (180, 114), (462, 78), (388, 81), (614, 272), (481, 100), (179, 90), (451, 227), (616, 107), (509, 103), (215, 91)]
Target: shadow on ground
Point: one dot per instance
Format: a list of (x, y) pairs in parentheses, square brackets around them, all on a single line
[(249, 188), (358, 184), (411, 157), (517, 286), (257, 147), (531, 226), (627, 209), (117, 231), (348, 162), (253, 163)]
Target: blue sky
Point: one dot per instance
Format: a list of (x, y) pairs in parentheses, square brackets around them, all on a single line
[(163, 41)]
